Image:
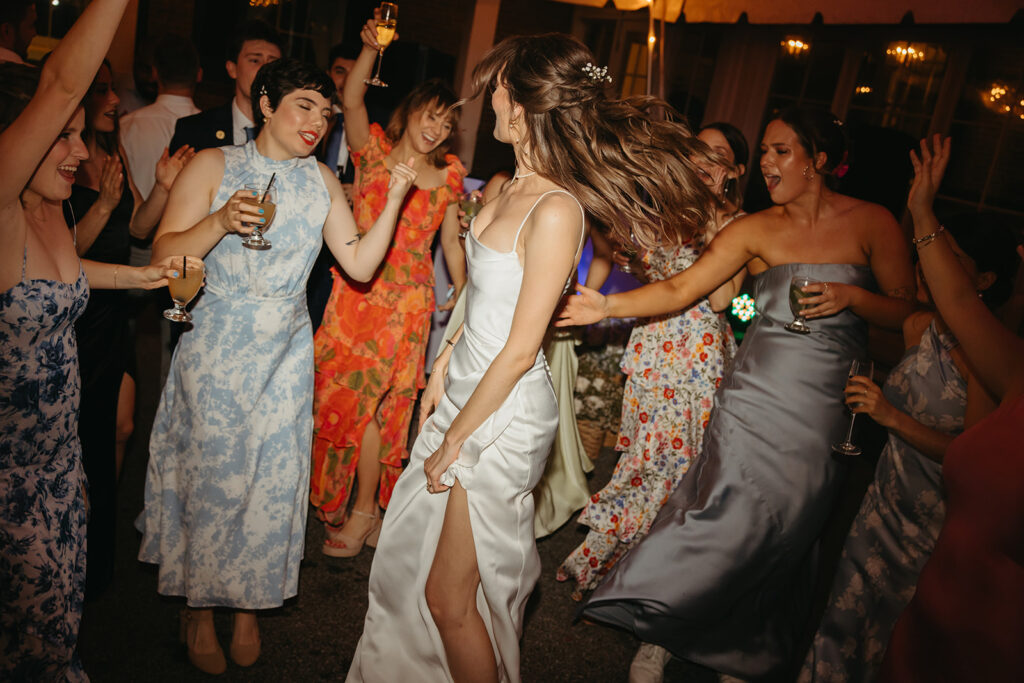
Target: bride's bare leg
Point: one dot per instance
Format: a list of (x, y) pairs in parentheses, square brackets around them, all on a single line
[(451, 596)]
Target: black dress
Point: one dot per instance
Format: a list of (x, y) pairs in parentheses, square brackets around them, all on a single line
[(105, 353)]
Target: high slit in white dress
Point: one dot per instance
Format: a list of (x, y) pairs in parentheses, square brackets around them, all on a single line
[(498, 466)]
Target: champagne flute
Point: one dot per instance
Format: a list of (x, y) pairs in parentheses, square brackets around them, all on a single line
[(386, 26), (796, 293), (266, 199), (858, 368), (183, 289)]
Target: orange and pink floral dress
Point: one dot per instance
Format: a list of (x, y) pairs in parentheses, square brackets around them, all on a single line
[(371, 346)]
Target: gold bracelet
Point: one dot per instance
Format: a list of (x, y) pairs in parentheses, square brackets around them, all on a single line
[(116, 268), (927, 239)]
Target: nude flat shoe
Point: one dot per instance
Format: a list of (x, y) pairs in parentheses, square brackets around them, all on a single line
[(212, 663)]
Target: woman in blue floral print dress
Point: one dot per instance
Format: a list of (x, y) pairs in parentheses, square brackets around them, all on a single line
[(43, 289), (228, 476)]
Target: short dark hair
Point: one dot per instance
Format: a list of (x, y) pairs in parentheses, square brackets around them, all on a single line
[(14, 11), (436, 93), (282, 76), (818, 130), (18, 84), (176, 61), (345, 50), (253, 29)]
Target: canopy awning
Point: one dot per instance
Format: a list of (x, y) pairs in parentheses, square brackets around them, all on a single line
[(841, 12)]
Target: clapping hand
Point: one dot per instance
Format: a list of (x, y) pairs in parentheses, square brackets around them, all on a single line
[(169, 166), (111, 182)]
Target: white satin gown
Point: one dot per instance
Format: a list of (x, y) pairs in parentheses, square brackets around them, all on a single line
[(498, 466)]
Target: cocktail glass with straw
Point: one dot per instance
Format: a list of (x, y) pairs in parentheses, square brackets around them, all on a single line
[(266, 199), (184, 288), (386, 26)]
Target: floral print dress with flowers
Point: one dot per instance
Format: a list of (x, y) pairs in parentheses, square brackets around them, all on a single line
[(673, 365), (42, 502), (370, 349)]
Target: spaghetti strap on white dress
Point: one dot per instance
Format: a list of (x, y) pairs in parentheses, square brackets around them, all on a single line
[(498, 466)]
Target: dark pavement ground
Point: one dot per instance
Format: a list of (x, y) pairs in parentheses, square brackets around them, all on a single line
[(130, 632)]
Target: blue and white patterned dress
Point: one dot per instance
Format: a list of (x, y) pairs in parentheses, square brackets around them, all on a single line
[(228, 478), (42, 509)]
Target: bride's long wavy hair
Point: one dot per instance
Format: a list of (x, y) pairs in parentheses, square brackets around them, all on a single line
[(629, 167)]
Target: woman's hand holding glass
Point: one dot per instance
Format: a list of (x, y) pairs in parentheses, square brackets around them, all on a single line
[(378, 33), (240, 213), (860, 369), (864, 396), (156, 275), (189, 276), (826, 298)]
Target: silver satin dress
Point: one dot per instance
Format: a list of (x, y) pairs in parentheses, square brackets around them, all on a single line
[(724, 576)]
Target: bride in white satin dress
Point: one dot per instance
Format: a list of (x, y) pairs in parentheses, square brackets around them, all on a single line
[(456, 560)]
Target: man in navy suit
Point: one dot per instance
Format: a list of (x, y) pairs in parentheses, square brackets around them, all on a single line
[(255, 44)]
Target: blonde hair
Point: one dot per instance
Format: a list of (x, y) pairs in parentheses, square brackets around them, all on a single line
[(631, 169)]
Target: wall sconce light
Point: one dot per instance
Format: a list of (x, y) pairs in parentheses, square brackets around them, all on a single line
[(905, 53), (862, 89)]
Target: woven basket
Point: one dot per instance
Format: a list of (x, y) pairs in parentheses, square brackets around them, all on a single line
[(593, 436)]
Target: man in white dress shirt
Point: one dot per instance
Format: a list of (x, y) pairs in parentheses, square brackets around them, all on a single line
[(17, 29), (146, 132)]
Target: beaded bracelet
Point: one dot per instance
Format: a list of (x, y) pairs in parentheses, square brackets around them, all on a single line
[(927, 239)]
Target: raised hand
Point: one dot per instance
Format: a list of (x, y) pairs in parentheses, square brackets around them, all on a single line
[(111, 182), (586, 309), (168, 167), (240, 209), (402, 178), (929, 168)]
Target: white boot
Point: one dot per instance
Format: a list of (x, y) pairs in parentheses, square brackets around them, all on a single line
[(649, 664)]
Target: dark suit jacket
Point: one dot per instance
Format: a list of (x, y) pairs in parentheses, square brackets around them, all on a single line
[(210, 128)]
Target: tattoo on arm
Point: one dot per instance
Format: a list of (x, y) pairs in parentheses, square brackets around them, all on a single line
[(905, 293)]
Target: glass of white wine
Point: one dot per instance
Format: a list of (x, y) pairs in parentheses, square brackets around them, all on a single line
[(858, 368), (266, 199), (184, 288), (470, 203), (386, 26), (796, 292)]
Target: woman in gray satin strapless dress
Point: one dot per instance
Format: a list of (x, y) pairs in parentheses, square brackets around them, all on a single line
[(723, 577)]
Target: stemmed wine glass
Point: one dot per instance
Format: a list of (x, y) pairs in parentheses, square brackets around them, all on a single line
[(266, 199), (386, 26), (184, 288), (858, 368), (796, 293)]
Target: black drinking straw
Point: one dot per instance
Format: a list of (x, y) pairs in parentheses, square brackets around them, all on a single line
[(272, 176)]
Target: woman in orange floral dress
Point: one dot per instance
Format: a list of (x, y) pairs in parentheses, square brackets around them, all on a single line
[(371, 346)]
